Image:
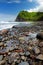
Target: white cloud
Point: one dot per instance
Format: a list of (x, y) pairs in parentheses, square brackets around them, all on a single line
[(33, 10), (37, 8), (6, 17), (16, 1), (39, 1)]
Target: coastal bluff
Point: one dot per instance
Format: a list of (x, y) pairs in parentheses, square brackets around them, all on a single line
[(29, 16)]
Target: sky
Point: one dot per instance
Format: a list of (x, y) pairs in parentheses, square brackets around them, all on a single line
[(9, 9)]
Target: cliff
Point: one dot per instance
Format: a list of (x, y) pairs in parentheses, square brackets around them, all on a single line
[(29, 16)]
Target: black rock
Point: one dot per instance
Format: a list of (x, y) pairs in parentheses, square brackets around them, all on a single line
[(0, 38), (40, 36)]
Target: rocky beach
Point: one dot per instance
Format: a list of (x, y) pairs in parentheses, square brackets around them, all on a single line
[(22, 45)]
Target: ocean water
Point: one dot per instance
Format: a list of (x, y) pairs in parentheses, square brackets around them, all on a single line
[(5, 25)]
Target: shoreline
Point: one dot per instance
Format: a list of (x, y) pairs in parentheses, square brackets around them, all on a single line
[(19, 44), (10, 25)]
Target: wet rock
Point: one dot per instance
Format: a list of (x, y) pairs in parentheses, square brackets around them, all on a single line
[(41, 49), (32, 57), (40, 36), (9, 53), (16, 42), (0, 32), (19, 50), (2, 62), (34, 42), (4, 51), (15, 54), (24, 63), (1, 38), (5, 39), (10, 37), (1, 44), (18, 61), (15, 47), (5, 45), (10, 48), (26, 33), (1, 57), (41, 44), (22, 53), (10, 59), (36, 50), (23, 58), (22, 38), (30, 48), (4, 31), (22, 41), (32, 35), (40, 57), (15, 60), (12, 43), (27, 53), (13, 63)]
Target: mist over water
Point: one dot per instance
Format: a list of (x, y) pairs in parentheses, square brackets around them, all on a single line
[(5, 25)]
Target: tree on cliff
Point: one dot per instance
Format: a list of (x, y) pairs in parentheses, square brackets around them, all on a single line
[(29, 16)]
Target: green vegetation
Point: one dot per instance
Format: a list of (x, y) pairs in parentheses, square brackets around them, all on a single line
[(30, 16)]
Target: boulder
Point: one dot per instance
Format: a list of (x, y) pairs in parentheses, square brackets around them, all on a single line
[(40, 36)]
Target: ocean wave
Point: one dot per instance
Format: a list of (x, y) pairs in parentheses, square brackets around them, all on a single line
[(4, 25)]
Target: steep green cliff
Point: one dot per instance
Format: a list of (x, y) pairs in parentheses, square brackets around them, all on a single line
[(30, 16)]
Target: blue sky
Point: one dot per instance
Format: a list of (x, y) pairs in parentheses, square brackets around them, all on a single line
[(14, 8), (10, 8)]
